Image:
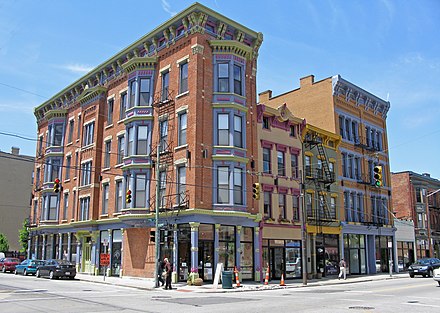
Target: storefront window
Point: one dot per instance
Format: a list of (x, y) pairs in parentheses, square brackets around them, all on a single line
[(103, 248), (116, 252), (355, 254), (184, 250), (246, 253), (293, 259), (227, 246), (206, 251)]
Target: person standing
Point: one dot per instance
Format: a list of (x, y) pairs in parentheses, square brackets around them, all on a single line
[(160, 272), (342, 269), (169, 271)]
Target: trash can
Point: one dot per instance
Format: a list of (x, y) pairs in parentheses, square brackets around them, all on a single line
[(227, 279)]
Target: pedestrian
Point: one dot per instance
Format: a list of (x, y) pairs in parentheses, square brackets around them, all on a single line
[(160, 272), (342, 269), (168, 270)]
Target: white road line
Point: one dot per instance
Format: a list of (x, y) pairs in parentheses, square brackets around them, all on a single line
[(33, 299), (419, 304), (356, 300)]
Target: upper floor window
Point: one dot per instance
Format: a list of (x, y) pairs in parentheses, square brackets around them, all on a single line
[(162, 188), (40, 145), (223, 184), (266, 161), (71, 125), (292, 132), (108, 145), (66, 205), (53, 167), (56, 134), (223, 77), (182, 128), (53, 208), (119, 196), (110, 107), (142, 140), (165, 85), (122, 106), (183, 83), (105, 194), (133, 88), (144, 93), (281, 163), (84, 209), (140, 196), (267, 208), (238, 131), (294, 165), (121, 146), (181, 184), (238, 80), (266, 124), (282, 205), (309, 204), (130, 135), (68, 165), (238, 186), (295, 207), (88, 134), (223, 129), (163, 140), (307, 166), (86, 170), (78, 134)]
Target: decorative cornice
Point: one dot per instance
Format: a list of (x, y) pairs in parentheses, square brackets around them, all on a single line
[(90, 93), (231, 47), (55, 113), (197, 49), (139, 63)]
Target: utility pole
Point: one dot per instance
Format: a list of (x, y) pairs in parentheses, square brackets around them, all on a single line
[(302, 217), (156, 219)]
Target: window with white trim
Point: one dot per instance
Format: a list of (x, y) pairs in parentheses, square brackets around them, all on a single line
[(223, 185), (105, 194), (84, 208), (142, 140), (68, 166), (121, 147), (66, 205), (238, 186), (183, 81), (238, 85), (86, 170), (267, 207), (71, 125), (119, 196), (181, 184), (122, 106), (266, 161), (182, 128), (238, 131), (88, 138), (144, 92), (223, 77), (107, 154), (223, 129), (163, 140), (110, 108), (140, 193)]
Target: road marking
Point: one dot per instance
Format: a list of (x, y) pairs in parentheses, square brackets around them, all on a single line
[(357, 300), (33, 299), (419, 304)]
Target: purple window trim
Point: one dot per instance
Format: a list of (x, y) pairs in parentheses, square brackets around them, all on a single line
[(283, 190), (267, 187), (281, 148), (294, 150), (266, 144), (295, 191)]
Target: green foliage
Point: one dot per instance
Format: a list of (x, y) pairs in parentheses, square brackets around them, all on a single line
[(24, 235), (4, 244)]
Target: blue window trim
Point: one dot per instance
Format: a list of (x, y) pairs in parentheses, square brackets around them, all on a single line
[(231, 166)]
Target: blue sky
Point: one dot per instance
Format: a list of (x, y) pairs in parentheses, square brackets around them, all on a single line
[(390, 48)]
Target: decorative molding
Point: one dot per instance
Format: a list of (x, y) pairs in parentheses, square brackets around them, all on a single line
[(197, 49)]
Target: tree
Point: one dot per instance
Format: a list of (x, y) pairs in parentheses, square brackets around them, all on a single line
[(4, 244), (24, 235)]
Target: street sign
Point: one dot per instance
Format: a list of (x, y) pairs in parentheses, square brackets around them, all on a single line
[(104, 259)]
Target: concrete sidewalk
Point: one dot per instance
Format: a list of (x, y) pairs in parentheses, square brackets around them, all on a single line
[(148, 283)]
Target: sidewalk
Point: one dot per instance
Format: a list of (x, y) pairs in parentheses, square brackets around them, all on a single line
[(148, 283)]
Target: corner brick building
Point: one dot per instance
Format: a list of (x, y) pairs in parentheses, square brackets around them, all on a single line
[(174, 110)]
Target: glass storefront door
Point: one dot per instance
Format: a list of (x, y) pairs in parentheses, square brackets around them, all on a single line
[(184, 251), (206, 259), (277, 262)]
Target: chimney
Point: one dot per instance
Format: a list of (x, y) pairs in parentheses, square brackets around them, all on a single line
[(306, 81), (15, 151), (264, 96)]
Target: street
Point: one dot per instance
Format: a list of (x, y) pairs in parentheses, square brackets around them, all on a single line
[(21, 294)]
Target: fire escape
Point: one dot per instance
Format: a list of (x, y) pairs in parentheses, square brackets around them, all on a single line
[(170, 202), (321, 178)]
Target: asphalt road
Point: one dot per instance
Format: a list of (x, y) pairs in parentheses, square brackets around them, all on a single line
[(19, 294)]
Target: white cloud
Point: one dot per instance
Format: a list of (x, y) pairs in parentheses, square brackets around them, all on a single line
[(167, 8), (77, 68), (23, 107)]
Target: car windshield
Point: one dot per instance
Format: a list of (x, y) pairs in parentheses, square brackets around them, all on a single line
[(423, 261), (13, 260), (63, 262)]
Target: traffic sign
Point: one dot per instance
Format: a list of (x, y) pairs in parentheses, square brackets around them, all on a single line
[(104, 259)]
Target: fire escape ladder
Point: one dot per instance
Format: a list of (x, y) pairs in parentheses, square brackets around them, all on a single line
[(325, 214), (329, 176)]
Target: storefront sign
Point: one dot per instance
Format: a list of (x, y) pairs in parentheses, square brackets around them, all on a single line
[(104, 259)]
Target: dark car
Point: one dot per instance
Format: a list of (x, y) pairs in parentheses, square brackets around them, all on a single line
[(8, 264), (28, 266), (424, 267), (56, 268)]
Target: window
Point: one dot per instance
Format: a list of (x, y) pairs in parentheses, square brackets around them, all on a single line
[(282, 205), (183, 85), (266, 161), (86, 170), (121, 144), (165, 85), (238, 133), (223, 129), (122, 106), (163, 141), (78, 134), (238, 186), (344, 164), (37, 178), (307, 166), (40, 145), (181, 184), (223, 77), (333, 207), (182, 128), (295, 207), (356, 168), (144, 95), (267, 204), (292, 132), (66, 206), (119, 196), (55, 169), (76, 163), (34, 213), (354, 130), (281, 164), (71, 124), (52, 214), (294, 165), (108, 145), (162, 188), (84, 209), (331, 167), (142, 136), (74, 205), (237, 80), (133, 88), (68, 165), (349, 166), (309, 204), (88, 134), (266, 122), (56, 134), (341, 126), (110, 107), (347, 129), (140, 191), (130, 134), (105, 193), (223, 184)]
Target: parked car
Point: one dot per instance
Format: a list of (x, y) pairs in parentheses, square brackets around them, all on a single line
[(28, 266), (56, 268), (8, 264), (424, 267), (437, 275)]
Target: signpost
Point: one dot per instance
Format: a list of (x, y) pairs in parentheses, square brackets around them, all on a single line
[(104, 258)]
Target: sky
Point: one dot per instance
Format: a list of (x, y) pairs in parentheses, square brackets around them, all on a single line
[(389, 48)]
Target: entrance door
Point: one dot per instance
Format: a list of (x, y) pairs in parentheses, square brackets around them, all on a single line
[(206, 260), (277, 262), (86, 258)]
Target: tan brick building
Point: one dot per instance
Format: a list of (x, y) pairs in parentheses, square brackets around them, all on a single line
[(340, 107), (176, 109)]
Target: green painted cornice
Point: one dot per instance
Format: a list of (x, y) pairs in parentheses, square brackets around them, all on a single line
[(231, 158), (90, 93), (139, 63), (55, 113), (231, 47), (230, 105)]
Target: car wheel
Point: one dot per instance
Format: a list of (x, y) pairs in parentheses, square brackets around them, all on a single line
[(37, 274), (51, 275), (15, 272), (73, 277), (430, 273), (25, 273), (411, 275), (439, 283), (4, 269)]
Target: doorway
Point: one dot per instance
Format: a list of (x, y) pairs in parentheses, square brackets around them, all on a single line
[(277, 266), (206, 260)]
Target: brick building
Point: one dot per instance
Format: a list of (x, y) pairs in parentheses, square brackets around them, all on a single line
[(175, 110), (359, 117), (416, 197)]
